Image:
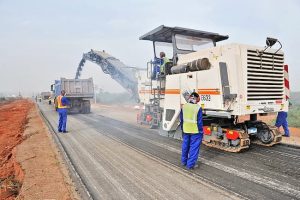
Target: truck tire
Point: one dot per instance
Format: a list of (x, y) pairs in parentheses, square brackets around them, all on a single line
[(86, 107), (82, 108), (82, 111), (89, 108)]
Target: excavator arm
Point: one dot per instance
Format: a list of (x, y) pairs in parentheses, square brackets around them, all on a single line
[(118, 71)]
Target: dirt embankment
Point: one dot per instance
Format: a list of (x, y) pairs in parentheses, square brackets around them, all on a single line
[(13, 118), (30, 166)]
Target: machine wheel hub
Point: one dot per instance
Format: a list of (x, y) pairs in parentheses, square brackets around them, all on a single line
[(265, 136)]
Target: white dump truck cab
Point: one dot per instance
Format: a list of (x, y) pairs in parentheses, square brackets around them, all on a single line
[(233, 80)]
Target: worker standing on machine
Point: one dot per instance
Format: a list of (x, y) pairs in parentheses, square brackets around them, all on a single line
[(164, 61), (281, 120), (62, 103), (192, 131)]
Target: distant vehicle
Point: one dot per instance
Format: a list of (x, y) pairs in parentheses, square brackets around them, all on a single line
[(78, 91), (45, 95), (39, 98)]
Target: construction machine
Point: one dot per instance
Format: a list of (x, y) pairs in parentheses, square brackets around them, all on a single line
[(232, 80)]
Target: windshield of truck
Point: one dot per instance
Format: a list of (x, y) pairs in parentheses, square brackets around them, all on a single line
[(190, 43), (167, 48)]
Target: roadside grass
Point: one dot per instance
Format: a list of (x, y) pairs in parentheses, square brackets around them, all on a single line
[(294, 116)]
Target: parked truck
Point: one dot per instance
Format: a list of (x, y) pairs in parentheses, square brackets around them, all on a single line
[(78, 91)]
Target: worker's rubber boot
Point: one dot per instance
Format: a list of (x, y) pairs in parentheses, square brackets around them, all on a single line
[(285, 135), (194, 167)]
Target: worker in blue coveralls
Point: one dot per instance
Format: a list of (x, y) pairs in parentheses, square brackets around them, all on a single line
[(281, 120), (156, 68), (192, 131), (62, 104)]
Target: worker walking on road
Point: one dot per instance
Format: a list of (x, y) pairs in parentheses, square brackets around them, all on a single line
[(192, 131), (281, 120), (62, 103)]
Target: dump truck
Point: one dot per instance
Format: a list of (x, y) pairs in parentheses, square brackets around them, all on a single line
[(78, 91), (233, 81)]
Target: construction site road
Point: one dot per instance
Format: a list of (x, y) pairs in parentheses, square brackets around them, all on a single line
[(117, 160)]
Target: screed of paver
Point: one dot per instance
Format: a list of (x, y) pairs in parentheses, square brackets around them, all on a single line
[(122, 172)]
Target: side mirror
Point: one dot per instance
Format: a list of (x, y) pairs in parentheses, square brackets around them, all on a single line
[(52, 88)]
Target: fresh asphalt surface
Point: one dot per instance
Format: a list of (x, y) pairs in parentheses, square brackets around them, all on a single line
[(258, 173)]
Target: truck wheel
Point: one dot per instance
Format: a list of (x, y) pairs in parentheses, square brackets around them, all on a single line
[(86, 107)]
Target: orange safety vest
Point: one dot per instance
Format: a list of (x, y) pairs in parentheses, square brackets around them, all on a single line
[(59, 103)]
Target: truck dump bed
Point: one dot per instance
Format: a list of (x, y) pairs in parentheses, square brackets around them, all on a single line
[(78, 87)]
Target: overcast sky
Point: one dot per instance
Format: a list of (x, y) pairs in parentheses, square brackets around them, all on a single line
[(43, 40)]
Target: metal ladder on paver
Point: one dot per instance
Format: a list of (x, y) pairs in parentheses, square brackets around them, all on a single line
[(158, 94)]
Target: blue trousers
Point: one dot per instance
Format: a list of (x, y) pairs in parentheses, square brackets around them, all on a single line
[(190, 149), (281, 120), (62, 122)]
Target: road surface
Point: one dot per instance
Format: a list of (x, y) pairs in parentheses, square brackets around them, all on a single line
[(117, 160)]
